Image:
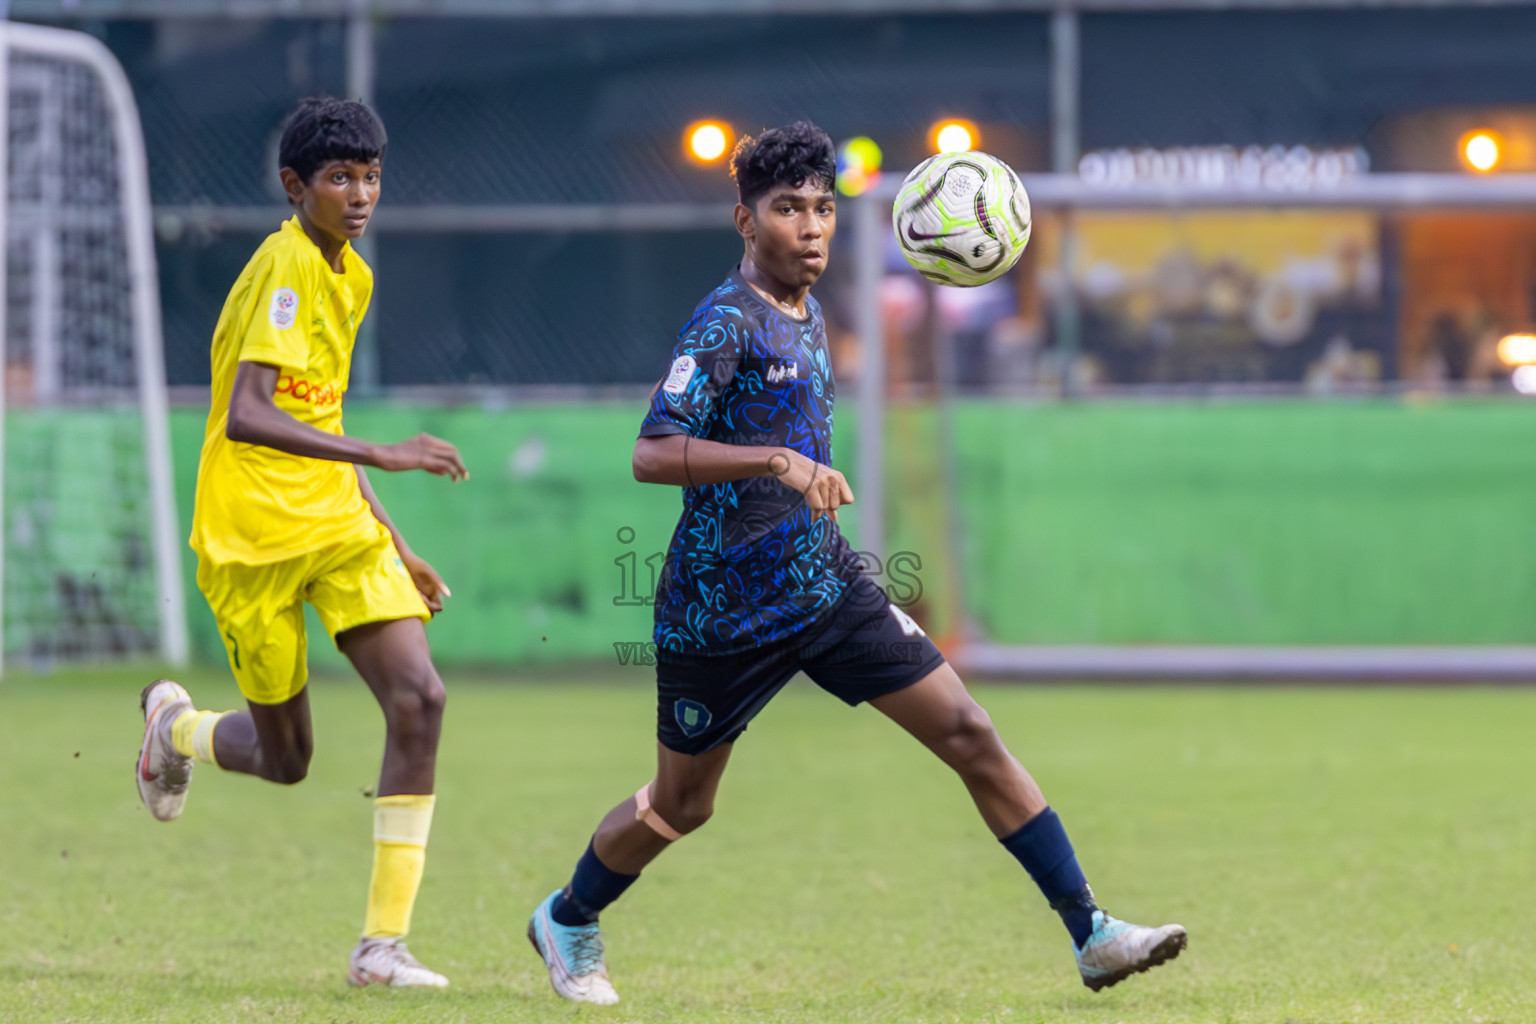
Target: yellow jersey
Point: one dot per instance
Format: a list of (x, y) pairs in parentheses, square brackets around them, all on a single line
[(288, 308)]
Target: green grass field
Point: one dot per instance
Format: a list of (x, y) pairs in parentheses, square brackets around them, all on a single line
[(1350, 855)]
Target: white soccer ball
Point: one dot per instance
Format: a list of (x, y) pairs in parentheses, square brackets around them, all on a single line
[(962, 218)]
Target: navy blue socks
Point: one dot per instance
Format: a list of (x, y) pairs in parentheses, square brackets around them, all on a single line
[(1045, 851), (592, 888), (1041, 846)]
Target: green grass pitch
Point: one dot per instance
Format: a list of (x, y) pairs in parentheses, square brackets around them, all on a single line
[(1337, 855)]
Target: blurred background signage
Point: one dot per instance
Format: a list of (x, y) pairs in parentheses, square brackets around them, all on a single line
[(1277, 168)]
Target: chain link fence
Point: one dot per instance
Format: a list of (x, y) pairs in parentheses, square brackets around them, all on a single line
[(513, 112)]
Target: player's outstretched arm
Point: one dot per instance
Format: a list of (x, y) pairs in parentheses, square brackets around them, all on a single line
[(427, 581), (254, 418), (685, 461)]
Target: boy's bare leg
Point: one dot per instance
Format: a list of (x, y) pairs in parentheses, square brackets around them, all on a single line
[(271, 741), (682, 797), (394, 659), (939, 712), (564, 927)]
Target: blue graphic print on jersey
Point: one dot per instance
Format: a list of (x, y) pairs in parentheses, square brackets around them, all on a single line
[(747, 565)]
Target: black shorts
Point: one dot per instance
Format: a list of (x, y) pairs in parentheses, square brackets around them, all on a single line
[(863, 647)]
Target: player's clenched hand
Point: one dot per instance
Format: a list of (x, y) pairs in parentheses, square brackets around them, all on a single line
[(427, 581), (824, 488), (423, 451)]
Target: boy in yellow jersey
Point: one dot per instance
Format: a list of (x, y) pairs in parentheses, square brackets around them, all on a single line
[(285, 514)]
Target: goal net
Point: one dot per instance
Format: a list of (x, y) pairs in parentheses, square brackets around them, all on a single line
[(91, 568)]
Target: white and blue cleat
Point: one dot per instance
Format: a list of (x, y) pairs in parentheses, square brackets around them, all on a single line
[(574, 957), (1118, 949)]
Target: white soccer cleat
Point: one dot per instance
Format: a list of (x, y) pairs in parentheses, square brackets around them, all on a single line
[(388, 962), (1118, 949), (574, 957), (163, 774)]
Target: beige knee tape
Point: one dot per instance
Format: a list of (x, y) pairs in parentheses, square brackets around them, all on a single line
[(644, 812)]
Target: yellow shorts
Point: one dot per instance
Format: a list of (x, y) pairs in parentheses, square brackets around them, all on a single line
[(260, 608)]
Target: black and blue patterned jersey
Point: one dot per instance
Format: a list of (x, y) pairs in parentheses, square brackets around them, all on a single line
[(747, 565)]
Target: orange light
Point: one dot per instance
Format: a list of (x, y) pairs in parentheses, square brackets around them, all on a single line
[(953, 135), (1518, 349), (1481, 150), (707, 141)]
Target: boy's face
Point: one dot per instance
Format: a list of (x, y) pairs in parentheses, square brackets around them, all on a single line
[(339, 199), (790, 231)]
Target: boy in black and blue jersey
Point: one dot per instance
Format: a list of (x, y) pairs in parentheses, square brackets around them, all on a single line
[(759, 584)]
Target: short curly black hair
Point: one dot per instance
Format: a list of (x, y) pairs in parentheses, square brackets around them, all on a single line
[(323, 128), (791, 155)]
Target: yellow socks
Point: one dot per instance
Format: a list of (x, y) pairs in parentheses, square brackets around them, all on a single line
[(400, 827), (192, 735)]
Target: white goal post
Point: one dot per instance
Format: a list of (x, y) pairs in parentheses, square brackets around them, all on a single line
[(91, 552)]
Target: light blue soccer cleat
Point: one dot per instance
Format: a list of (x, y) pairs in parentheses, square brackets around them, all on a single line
[(1118, 949), (574, 957)]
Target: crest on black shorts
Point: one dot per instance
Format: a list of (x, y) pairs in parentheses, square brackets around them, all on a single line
[(692, 717)]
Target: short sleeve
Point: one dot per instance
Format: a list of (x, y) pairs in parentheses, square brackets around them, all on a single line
[(704, 363), (273, 328)]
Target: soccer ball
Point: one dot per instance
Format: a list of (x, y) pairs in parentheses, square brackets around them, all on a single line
[(962, 218)]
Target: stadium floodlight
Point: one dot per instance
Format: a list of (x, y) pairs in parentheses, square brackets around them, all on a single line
[(1518, 349), (1482, 150), (707, 141), (954, 135)]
